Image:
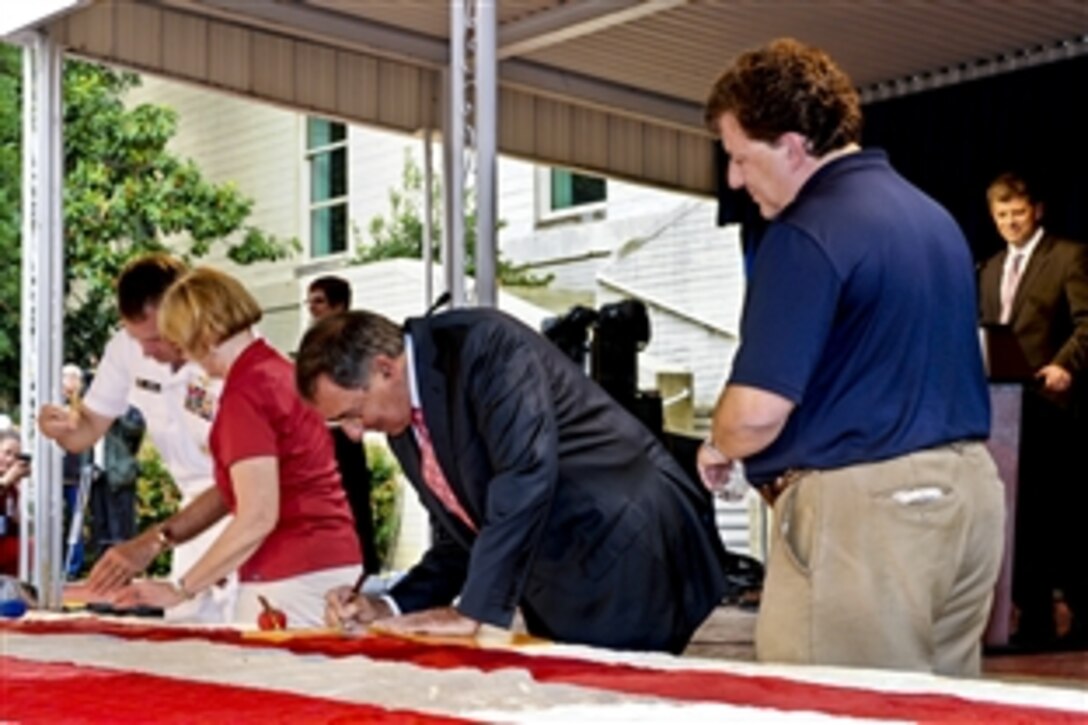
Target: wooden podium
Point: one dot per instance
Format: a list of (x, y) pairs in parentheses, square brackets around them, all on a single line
[(1008, 372)]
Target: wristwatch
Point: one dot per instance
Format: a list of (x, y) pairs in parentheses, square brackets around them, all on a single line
[(166, 541)]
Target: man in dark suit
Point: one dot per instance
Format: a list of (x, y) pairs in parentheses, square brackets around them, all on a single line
[(545, 494), (1038, 286)]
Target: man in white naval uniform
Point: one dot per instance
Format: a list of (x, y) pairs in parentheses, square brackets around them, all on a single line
[(178, 400)]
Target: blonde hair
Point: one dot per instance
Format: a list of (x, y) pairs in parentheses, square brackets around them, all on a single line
[(205, 307)]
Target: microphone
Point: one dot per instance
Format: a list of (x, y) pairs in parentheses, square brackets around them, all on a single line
[(443, 299)]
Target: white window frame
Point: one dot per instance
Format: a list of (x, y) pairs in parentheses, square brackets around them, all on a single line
[(311, 206), (579, 212)]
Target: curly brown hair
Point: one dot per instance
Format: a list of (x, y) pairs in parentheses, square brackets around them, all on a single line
[(788, 86)]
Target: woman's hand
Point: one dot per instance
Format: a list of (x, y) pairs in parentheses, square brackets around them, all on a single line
[(122, 562), (148, 594)]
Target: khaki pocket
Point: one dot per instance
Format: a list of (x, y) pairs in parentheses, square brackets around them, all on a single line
[(795, 529)]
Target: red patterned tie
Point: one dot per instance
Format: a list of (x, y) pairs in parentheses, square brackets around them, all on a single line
[(432, 472)]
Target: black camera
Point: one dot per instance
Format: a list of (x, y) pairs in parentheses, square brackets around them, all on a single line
[(623, 328), (620, 330), (570, 332)]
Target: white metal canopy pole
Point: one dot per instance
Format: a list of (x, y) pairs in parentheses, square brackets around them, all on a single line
[(454, 149), (471, 142), (428, 220), (485, 112), (43, 290)]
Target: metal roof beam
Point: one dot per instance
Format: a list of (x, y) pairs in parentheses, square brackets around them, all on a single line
[(573, 20), (332, 28), (1028, 58), (326, 27), (595, 93)]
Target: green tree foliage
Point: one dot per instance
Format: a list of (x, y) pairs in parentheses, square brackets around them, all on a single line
[(124, 195), (385, 476), (157, 499), (400, 232), (10, 196)]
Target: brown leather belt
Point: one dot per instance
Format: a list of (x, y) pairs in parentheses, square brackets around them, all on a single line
[(771, 491)]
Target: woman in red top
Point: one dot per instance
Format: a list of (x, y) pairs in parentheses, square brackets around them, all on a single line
[(292, 537)]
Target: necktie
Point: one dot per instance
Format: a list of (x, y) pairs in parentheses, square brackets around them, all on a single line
[(432, 472), (1009, 285)]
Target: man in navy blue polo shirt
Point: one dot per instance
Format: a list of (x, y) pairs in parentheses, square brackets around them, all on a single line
[(857, 399)]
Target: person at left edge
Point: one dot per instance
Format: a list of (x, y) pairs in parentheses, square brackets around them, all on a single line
[(292, 536), (545, 493), (13, 470)]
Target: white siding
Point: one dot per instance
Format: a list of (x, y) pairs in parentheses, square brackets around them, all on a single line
[(631, 211), (256, 147), (377, 160), (253, 145), (516, 201)]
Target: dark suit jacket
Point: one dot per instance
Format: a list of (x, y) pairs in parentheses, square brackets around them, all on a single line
[(584, 521), (1050, 310)]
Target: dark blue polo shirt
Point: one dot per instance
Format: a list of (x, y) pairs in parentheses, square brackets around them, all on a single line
[(861, 309)]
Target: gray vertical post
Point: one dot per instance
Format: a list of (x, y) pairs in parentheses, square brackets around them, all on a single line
[(43, 289), (455, 142), (486, 112), (447, 174), (428, 220)]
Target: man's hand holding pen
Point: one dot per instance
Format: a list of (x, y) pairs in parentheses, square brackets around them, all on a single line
[(347, 608)]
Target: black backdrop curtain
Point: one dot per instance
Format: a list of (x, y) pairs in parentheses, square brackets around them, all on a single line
[(953, 141)]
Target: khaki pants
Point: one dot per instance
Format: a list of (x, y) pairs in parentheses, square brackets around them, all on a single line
[(889, 564)]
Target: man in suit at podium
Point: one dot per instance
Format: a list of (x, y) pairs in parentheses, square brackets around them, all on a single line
[(1038, 287)]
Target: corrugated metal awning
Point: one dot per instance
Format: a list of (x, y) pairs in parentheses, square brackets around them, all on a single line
[(611, 86)]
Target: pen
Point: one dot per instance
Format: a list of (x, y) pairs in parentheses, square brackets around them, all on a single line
[(356, 590)]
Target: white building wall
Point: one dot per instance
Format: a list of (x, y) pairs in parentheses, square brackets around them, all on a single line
[(253, 145), (532, 237), (516, 199), (256, 147), (376, 160)]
